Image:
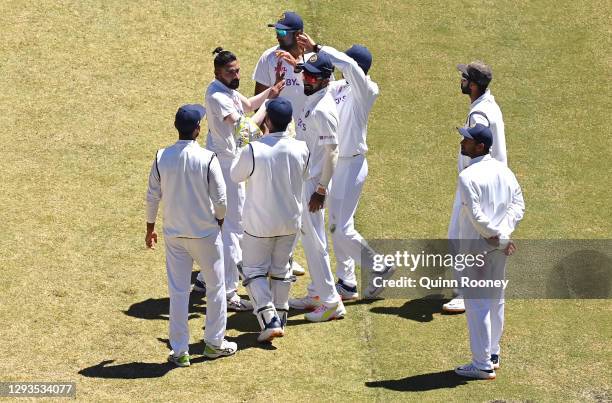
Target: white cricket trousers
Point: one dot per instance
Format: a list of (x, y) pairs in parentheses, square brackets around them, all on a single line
[(232, 229), (349, 245), (263, 257), (180, 254), (314, 241), (485, 317)]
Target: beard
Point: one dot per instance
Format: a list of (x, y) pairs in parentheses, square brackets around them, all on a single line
[(310, 89), (465, 89), (287, 43), (234, 84)]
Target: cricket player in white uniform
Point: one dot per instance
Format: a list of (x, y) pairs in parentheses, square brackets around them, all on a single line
[(271, 64), (475, 79), (491, 207), (318, 127), (288, 27), (354, 96), (188, 179), (274, 168), (226, 108)]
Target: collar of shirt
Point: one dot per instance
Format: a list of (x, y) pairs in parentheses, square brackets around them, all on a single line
[(277, 134), (481, 98), (222, 86), (315, 98), (186, 142), (482, 158)]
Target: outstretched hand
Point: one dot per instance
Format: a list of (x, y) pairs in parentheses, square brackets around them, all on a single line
[(276, 89), (286, 56)]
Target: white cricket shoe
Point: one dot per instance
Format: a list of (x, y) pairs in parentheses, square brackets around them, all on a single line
[(226, 348), (347, 293), (297, 269), (273, 329), (324, 313), (455, 305), (237, 304), (470, 371), (306, 303), (373, 291)]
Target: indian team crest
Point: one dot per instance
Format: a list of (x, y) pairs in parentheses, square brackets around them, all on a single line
[(313, 59)]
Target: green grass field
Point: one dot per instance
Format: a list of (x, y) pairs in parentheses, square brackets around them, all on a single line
[(88, 93)]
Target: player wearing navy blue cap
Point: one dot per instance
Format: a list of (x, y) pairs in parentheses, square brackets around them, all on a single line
[(475, 79), (274, 168), (287, 29), (188, 179), (354, 96), (318, 127), (491, 207), (270, 66)]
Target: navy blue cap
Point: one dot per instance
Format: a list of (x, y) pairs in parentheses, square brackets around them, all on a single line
[(188, 117), (319, 64), (479, 133), (362, 56), (279, 111), (289, 21)]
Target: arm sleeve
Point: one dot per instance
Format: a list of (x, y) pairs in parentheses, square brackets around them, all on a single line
[(262, 73), (250, 104), (471, 199), (515, 211), (498, 149), (329, 164), (351, 71), (223, 104), (216, 186), (154, 193), (243, 166)]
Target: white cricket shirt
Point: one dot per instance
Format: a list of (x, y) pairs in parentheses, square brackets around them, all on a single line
[(318, 126), (274, 168), (491, 200), (265, 73), (188, 179), (221, 101), (354, 97), (485, 110)]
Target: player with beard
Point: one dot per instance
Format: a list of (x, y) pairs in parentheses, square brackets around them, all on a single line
[(225, 107), (318, 127), (287, 28)]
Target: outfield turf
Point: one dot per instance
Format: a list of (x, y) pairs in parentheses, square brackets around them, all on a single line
[(88, 94)]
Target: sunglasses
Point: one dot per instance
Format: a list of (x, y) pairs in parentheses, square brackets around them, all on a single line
[(309, 78), (282, 32)]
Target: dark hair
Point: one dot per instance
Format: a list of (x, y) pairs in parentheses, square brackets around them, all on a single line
[(223, 57), (278, 125)]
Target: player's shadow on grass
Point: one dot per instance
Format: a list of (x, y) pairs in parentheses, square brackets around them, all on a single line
[(420, 310), (423, 382)]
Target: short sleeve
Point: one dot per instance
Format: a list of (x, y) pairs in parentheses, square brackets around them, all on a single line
[(223, 104), (327, 128), (262, 71)]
